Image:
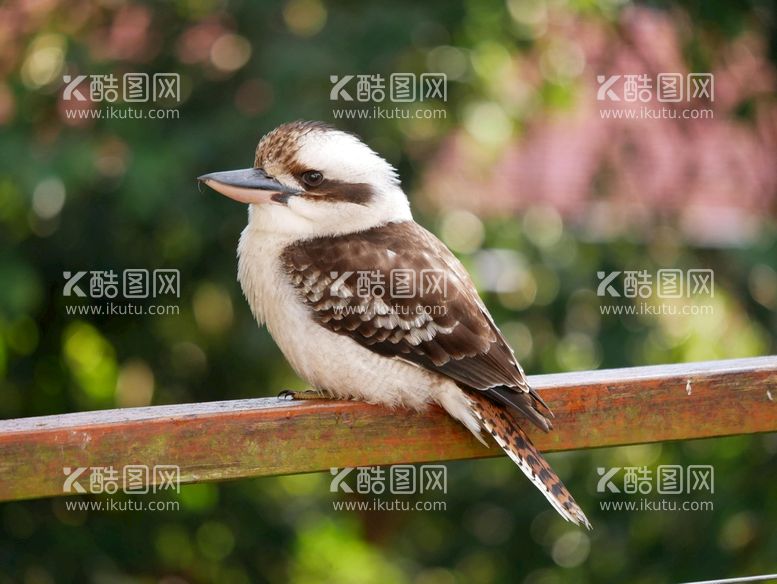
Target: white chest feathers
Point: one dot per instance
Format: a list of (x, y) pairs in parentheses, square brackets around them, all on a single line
[(328, 360)]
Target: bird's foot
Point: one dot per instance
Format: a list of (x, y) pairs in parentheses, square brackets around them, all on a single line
[(290, 394)]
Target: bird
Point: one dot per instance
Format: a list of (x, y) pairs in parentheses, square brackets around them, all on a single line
[(366, 304)]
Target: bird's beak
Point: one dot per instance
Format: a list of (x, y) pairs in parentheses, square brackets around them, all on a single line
[(249, 185)]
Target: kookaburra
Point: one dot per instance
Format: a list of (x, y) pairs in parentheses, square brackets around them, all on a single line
[(368, 305)]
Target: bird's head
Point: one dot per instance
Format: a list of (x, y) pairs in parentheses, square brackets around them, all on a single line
[(311, 180)]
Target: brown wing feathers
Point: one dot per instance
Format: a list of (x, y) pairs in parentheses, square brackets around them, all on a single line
[(456, 337), (448, 331)]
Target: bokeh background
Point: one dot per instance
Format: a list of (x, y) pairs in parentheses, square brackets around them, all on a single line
[(523, 179)]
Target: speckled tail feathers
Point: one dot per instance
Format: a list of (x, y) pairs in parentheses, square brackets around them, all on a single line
[(498, 422)]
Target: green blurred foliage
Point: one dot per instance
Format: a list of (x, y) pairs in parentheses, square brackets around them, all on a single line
[(130, 200)]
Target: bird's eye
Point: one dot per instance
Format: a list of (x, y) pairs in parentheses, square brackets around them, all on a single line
[(312, 178)]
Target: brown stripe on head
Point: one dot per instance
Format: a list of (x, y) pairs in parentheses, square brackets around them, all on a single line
[(330, 190), (279, 149), (281, 144), (336, 191)]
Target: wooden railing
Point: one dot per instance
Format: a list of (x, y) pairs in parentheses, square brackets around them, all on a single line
[(246, 438)]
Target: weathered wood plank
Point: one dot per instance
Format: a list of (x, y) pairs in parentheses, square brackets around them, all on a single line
[(228, 440)]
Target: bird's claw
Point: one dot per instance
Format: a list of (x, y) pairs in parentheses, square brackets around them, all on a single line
[(290, 394)]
